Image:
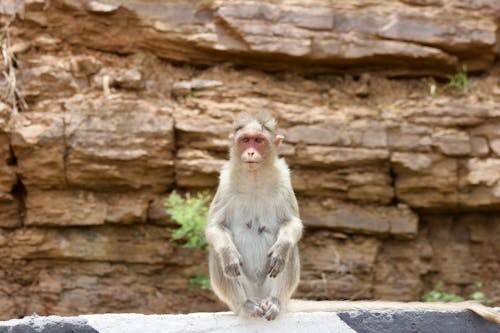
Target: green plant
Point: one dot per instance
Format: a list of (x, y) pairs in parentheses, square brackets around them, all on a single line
[(202, 281), (432, 89), (439, 295), (190, 212), (460, 81)]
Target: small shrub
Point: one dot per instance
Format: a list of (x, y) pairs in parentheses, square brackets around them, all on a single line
[(460, 81), (439, 295), (190, 213), (202, 281)]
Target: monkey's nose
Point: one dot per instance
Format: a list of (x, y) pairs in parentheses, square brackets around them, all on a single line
[(250, 153)]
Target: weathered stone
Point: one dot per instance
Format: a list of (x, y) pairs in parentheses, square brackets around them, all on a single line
[(64, 208), (399, 267), (38, 141), (452, 143), (449, 112), (184, 87), (9, 211), (77, 207), (425, 180), (408, 137), (113, 140), (359, 184), (195, 168), (479, 146), (157, 213), (34, 77), (7, 174), (84, 66), (329, 265), (368, 134), (208, 133), (145, 244), (495, 146), (126, 208), (336, 156), (312, 38), (479, 183), (399, 222)]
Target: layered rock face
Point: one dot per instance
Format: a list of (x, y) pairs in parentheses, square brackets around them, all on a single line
[(398, 179)]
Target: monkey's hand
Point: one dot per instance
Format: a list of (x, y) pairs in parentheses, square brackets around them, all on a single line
[(278, 255), (231, 262)]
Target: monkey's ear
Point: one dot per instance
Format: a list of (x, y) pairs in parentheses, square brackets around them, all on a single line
[(277, 140)]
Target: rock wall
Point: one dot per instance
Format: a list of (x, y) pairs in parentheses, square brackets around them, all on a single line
[(126, 100)]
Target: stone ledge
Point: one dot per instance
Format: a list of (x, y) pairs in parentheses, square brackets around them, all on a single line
[(355, 321)]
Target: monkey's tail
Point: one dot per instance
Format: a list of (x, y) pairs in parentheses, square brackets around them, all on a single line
[(297, 305)]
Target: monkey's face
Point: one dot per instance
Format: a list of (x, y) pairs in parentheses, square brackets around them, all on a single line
[(254, 143), (253, 147)]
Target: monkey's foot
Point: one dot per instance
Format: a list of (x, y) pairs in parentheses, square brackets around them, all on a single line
[(271, 307), (252, 308)]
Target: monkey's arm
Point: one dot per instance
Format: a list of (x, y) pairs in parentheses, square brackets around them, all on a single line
[(220, 240), (289, 234)]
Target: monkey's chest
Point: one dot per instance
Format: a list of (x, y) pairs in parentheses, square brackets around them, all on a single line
[(254, 234)]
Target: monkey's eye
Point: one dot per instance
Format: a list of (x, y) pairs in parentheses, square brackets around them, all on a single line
[(245, 140), (259, 140)]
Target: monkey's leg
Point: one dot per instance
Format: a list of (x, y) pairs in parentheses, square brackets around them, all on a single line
[(281, 287), (231, 290)]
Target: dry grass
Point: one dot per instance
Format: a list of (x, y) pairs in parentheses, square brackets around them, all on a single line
[(12, 93)]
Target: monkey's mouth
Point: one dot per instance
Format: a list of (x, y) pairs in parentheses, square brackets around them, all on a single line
[(252, 165)]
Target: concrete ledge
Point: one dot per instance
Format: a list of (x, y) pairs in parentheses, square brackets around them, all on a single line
[(356, 321)]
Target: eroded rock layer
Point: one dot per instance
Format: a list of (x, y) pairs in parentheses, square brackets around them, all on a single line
[(398, 179)]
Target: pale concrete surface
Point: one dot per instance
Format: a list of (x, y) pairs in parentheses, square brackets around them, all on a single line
[(344, 322)]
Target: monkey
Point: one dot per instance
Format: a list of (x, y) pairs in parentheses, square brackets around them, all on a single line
[(253, 228), (253, 224)]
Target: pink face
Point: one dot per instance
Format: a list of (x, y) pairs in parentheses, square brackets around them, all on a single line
[(253, 148)]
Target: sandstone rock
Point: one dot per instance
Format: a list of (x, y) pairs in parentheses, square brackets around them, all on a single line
[(145, 244), (425, 180), (84, 66), (184, 87), (368, 134), (208, 133), (157, 213), (452, 143), (337, 156), (38, 142), (450, 112), (7, 174), (399, 267), (495, 146), (121, 141), (198, 172), (126, 208), (70, 287), (64, 208), (34, 79), (360, 184), (407, 136), (479, 184), (479, 146), (331, 268), (313, 38), (9, 211), (77, 207), (399, 222)]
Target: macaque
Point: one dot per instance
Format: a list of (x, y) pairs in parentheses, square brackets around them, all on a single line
[(253, 228), (253, 223)]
